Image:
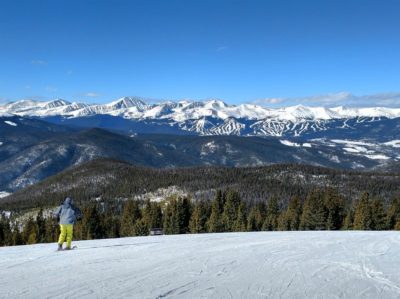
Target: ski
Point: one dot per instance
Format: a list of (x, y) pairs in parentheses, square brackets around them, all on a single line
[(64, 249)]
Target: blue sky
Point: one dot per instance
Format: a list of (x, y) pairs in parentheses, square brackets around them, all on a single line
[(274, 53)]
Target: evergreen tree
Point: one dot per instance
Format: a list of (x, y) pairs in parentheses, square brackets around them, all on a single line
[(140, 228), (130, 215), (220, 197), (334, 205), (184, 213), (17, 238), (152, 215), (255, 219), (240, 223), (314, 213), (271, 221), (41, 225), (363, 214), (231, 206), (293, 215), (80, 228), (52, 230), (393, 213), (348, 220), (283, 222), (214, 223), (7, 232), (3, 234), (177, 216), (378, 215), (112, 225), (171, 217), (30, 232), (198, 219), (397, 226), (93, 223)]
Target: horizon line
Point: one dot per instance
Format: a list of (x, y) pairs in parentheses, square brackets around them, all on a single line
[(330, 100)]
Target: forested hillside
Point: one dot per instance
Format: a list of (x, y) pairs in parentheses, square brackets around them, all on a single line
[(120, 199), (108, 180)]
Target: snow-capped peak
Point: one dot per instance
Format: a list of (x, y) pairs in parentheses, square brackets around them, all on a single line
[(22, 104), (56, 103), (128, 102), (215, 104), (304, 112)]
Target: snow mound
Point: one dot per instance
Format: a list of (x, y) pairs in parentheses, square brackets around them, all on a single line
[(351, 150), (162, 193), (232, 265), (377, 157), (10, 123), (4, 194), (289, 143), (394, 143)]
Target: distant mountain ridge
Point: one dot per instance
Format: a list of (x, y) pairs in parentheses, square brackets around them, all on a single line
[(32, 149), (211, 117), (137, 108)]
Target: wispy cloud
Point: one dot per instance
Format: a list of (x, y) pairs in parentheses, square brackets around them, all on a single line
[(69, 73), (27, 86), (326, 99), (51, 89), (92, 94), (389, 99), (383, 99), (221, 48), (38, 62), (268, 101)]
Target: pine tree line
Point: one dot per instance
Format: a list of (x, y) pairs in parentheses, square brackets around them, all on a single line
[(321, 209)]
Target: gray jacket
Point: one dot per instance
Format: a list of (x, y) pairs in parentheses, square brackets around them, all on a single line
[(67, 212)]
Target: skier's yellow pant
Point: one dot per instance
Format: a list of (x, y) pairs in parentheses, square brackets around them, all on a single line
[(66, 232)]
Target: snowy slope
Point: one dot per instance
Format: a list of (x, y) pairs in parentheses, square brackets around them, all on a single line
[(235, 265)]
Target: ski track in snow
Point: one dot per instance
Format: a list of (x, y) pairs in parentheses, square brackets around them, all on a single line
[(231, 265)]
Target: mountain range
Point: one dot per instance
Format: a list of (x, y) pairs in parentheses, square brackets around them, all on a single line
[(41, 139), (213, 117)]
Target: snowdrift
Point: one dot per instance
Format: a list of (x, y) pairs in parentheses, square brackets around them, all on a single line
[(229, 265)]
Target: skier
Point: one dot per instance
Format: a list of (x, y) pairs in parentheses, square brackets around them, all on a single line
[(67, 214)]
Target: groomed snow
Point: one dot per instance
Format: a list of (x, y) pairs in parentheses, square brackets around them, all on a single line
[(235, 265)]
